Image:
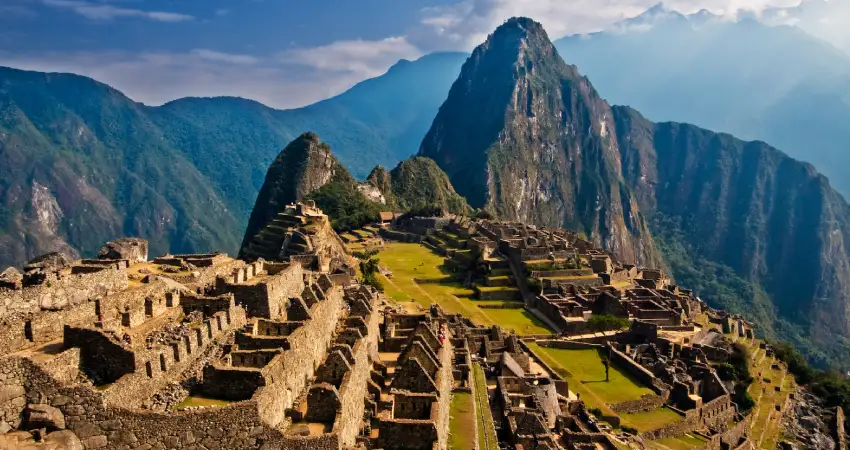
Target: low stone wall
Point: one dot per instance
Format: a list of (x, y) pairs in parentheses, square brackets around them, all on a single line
[(836, 426), (64, 291), (568, 345), (561, 273), (634, 369), (155, 367), (98, 425), (498, 295), (408, 434), (645, 403), (400, 236)]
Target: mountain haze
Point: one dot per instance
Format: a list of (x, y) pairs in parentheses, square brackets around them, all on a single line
[(771, 83), (525, 135)]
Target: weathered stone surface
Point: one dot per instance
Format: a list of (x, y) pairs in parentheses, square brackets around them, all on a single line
[(132, 249), (95, 442), (44, 416), (11, 278), (63, 440), (8, 393)]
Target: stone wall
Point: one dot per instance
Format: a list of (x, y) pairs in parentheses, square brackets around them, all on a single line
[(267, 297), (98, 425), (634, 369), (287, 375), (63, 291), (156, 367), (647, 402)]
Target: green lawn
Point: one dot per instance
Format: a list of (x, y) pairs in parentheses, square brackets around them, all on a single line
[(486, 431), (409, 261), (651, 420), (195, 400), (462, 422), (686, 442), (585, 374)]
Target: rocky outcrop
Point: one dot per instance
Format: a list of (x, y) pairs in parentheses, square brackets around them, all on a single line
[(525, 136), (416, 183), (132, 249), (305, 165), (806, 424)]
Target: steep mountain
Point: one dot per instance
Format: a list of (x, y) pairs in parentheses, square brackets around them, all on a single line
[(416, 183), (302, 167), (80, 163), (727, 76), (752, 229), (526, 136)]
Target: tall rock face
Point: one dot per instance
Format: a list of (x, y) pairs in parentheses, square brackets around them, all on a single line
[(774, 220), (524, 135), (304, 166)]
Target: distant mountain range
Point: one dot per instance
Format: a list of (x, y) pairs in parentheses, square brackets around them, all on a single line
[(527, 137), (80, 163), (775, 84)]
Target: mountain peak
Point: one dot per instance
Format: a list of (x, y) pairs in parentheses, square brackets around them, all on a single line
[(517, 132), (303, 166)]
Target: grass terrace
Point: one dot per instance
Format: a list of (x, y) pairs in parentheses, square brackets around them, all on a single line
[(651, 420), (585, 373), (686, 442), (193, 401), (486, 430), (462, 422), (408, 262)]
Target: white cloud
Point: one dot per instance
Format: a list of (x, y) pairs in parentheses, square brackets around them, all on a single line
[(230, 58), (99, 11), (156, 78), (360, 57), (466, 24)]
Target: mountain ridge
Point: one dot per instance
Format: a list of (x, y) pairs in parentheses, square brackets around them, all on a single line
[(772, 225)]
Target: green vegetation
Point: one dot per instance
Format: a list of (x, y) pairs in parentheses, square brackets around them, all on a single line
[(651, 420), (831, 386), (486, 430), (369, 268), (414, 261), (686, 442), (196, 400), (607, 322), (462, 421), (418, 183), (347, 207), (584, 371)]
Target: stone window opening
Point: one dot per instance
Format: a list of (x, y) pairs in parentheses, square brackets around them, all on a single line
[(28, 331), (148, 307), (149, 369), (162, 365)]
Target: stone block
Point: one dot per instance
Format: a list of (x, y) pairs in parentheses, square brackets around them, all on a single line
[(86, 430), (122, 437), (95, 442), (111, 425), (65, 440), (44, 416), (61, 400), (11, 392)]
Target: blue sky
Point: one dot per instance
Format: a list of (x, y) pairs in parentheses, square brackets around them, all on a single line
[(285, 53)]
